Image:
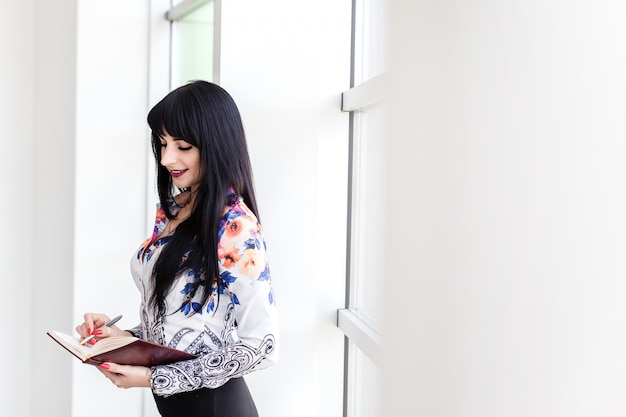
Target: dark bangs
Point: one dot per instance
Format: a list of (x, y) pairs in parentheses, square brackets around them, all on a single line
[(177, 114)]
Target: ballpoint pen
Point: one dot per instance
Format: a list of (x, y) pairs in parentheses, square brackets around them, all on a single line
[(109, 324)]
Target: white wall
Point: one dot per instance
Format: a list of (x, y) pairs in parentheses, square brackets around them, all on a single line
[(17, 41), (508, 140), (37, 74), (54, 148), (36, 111), (286, 64), (111, 178), (54, 194)]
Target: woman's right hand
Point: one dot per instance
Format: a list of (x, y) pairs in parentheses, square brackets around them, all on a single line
[(94, 324)]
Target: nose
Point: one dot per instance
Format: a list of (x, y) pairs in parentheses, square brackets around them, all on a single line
[(168, 156)]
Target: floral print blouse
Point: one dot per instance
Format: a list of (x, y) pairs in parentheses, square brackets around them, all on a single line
[(236, 331)]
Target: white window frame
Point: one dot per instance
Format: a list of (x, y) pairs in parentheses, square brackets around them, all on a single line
[(360, 332)]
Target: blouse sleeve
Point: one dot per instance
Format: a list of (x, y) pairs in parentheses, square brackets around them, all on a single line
[(244, 271), (135, 331)]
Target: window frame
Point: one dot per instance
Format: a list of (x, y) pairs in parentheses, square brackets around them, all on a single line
[(182, 9), (360, 332)]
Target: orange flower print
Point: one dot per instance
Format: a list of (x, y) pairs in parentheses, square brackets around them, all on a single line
[(252, 263), (234, 228), (160, 215), (229, 255)]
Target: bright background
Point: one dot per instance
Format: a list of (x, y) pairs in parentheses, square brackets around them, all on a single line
[(503, 175)]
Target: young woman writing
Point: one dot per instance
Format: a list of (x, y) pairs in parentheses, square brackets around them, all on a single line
[(203, 275)]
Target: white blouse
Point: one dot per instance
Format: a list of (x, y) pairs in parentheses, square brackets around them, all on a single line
[(236, 331)]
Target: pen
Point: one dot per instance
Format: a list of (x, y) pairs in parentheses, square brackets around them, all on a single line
[(109, 324)]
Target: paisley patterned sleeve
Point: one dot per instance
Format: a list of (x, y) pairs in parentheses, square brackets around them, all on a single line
[(247, 285), (135, 331)]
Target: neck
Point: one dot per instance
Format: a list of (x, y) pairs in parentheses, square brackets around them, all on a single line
[(184, 198)]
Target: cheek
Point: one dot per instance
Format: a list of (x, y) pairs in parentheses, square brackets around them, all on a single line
[(197, 166), (196, 162)]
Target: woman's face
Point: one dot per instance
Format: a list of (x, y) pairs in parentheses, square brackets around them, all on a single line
[(182, 160)]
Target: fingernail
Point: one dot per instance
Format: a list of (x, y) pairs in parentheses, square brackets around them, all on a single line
[(92, 341), (105, 366), (97, 332)]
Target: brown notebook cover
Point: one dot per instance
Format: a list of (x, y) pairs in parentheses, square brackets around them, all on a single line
[(138, 352)]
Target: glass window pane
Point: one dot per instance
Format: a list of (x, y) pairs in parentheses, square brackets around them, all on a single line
[(364, 393), (370, 39), (193, 46), (369, 211)]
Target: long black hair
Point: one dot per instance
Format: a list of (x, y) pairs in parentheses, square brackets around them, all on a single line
[(204, 115)]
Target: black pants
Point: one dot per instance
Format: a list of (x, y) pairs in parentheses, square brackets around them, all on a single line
[(232, 399)]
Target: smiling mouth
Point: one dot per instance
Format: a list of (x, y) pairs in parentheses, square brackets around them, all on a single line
[(177, 173)]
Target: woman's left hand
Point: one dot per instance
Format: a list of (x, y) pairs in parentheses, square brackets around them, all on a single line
[(126, 376)]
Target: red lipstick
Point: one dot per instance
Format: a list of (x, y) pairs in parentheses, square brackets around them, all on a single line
[(177, 173)]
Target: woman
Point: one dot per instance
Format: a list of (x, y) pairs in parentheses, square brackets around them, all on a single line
[(203, 274)]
